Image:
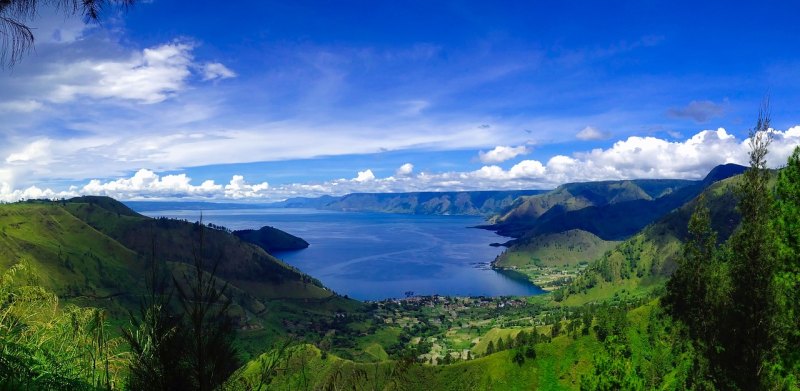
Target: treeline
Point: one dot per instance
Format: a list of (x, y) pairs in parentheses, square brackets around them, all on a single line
[(739, 300), (729, 317)]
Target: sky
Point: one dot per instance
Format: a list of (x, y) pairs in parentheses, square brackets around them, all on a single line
[(263, 100)]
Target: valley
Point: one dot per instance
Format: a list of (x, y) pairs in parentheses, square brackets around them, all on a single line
[(295, 331)]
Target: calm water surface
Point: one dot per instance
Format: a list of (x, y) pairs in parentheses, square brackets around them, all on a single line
[(373, 256)]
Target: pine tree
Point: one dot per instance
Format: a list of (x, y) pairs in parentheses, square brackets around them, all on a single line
[(751, 335), (501, 345), (687, 289), (490, 348), (786, 224)]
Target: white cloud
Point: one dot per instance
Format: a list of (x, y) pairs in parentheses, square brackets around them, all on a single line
[(634, 157), (405, 170), (35, 152), (364, 176), (215, 70), (146, 183), (591, 133), (502, 153), (149, 76), (239, 188)]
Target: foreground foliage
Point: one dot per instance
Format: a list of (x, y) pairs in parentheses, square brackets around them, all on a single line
[(51, 347)]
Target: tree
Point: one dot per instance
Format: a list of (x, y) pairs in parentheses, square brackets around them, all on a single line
[(16, 37), (521, 339), (556, 328), (519, 357), (156, 338), (686, 291), (187, 349), (211, 356), (751, 337), (490, 348), (786, 226)]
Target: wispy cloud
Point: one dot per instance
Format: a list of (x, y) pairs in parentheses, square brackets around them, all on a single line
[(591, 133)]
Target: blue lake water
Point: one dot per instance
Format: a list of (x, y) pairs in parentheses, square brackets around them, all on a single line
[(372, 256)]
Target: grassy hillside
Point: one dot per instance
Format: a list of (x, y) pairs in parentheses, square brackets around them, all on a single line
[(557, 249), (70, 257), (559, 363), (574, 196), (648, 258), (557, 366), (94, 251)]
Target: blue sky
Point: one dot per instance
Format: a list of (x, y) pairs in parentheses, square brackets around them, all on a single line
[(265, 100)]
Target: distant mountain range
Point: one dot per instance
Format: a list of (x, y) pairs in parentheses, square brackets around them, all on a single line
[(478, 203)]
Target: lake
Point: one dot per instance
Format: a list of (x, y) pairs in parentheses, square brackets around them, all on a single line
[(374, 256)]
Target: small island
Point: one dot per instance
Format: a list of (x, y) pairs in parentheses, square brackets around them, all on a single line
[(271, 239)]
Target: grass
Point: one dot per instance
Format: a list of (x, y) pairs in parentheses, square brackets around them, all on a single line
[(558, 366), (558, 249)]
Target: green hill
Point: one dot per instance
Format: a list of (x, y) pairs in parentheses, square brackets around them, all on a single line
[(647, 259), (93, 251), (271, 239), (556, 249), (611, 210)]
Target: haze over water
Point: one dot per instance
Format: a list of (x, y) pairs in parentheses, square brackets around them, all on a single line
[(373, 256)]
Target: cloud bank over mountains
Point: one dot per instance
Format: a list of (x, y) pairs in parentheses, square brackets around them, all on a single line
[(632, 158)]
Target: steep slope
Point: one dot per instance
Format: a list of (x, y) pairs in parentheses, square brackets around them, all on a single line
[(72, 259), (610, 210), (240, 262), (575, 196), (556, 249), (648, 258), (94, 251)]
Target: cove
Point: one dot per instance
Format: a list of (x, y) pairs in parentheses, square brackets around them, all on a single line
[(375, 256)]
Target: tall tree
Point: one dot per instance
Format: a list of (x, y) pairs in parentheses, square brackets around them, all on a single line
[(751, 337), (211, 355), (698, 296), (786, 223), (687, 289)]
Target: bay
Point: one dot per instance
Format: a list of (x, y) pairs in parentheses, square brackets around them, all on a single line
[(375, 256)]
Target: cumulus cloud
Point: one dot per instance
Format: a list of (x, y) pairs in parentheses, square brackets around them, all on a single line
[(215, 70), (239, 188), (591, 133), (146, 183), (364, 176), (405, 170), (699, 111), (502, 153)]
